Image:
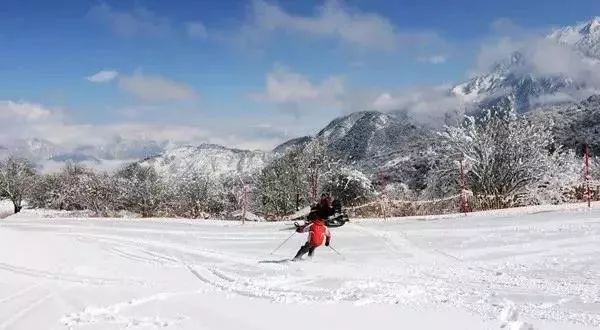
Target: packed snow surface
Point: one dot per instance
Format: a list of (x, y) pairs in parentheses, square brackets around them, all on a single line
[(492, 271)]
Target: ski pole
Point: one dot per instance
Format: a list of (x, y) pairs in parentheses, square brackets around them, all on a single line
[(336, 251), (280, 245)]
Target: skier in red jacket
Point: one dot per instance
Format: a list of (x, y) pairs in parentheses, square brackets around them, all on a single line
[(317, 234)]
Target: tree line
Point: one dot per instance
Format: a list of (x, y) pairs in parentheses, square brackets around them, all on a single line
[(507, 160), (290, 182)]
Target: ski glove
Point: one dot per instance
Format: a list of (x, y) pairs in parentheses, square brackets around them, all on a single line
[(327, 243)]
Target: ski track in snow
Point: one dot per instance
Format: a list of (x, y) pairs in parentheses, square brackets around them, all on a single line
[(515, 270), (24, 311)]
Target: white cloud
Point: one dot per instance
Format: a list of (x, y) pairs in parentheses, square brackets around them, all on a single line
[(548, 58), (141, 21), (153, 88), (23, 120), (103, 76), (426, 104), (433, 59), (542, 56), (10, 111), (294, 91), (330, 97), (138, 22), (26, 120), (558, 97), (332, 20), (385, 101), (196, 30)]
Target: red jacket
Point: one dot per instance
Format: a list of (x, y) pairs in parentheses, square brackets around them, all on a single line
[(317, 233)]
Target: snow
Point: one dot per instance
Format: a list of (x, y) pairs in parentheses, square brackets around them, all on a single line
[(248, 215), (520, 269), (6, 208)]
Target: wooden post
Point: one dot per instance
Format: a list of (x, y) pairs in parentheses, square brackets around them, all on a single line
[(587, 175), (463, 198), (244, 191), (383, 200)]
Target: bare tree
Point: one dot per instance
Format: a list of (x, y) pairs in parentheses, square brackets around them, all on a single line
[(16, 180)]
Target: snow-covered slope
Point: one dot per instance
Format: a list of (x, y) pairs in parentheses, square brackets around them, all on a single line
[(367, 134), (291, 144), (537, 271), (209, 159)]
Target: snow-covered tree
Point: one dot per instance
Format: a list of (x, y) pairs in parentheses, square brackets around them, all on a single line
[(594, 168), (239, 192), (294, 180), (316, 164), (197, 195), (562, 172), (398, 190), (75, 188), (506, 159), (140, 189), (98, 193), (281, 185), (349, 185), (16, 180), (72, 186), (44, 193)]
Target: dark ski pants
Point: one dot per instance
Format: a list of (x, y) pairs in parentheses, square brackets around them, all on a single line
[(304, 249)]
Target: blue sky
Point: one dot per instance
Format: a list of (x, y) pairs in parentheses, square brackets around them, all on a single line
[(243, 73)]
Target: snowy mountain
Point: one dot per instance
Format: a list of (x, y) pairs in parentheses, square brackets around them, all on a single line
[(385, 146), (365, 135), (120, 148), (517, 76), (291, 144), (514, 78), (212, 160), (51, 157), (33, 149)]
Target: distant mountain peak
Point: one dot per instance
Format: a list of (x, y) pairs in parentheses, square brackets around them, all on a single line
[(516, 75), (583, 37), (592, 27), (208, 159)]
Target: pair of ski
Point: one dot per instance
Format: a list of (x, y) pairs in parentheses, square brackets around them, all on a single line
[(282, 261)]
